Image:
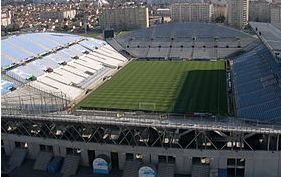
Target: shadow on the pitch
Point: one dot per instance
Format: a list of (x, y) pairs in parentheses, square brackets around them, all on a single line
[(201, 91)]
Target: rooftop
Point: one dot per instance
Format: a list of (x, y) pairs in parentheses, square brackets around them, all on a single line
[(17, 48)]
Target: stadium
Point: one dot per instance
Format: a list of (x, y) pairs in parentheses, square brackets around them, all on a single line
[(191, 99)]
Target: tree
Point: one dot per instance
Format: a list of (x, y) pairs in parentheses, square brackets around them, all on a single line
[(220, 19), (257, 19), (65, 28), (12, 27), (3, 28)]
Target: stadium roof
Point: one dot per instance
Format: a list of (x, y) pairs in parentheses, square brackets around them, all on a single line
[(17, 48), (270, 34)]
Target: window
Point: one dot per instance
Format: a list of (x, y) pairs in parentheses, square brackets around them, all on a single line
[(196, 160), (129, 156), (162, 159), (200, 160), (166, 159), (231, 162), (73, 151), (21, 145), (235, 167), (17, 144), (46, 148), (42, 148), (171, 159), (50, 148), (69, 150)]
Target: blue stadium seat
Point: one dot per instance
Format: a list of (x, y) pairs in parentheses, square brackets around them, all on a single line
[(256, 87)]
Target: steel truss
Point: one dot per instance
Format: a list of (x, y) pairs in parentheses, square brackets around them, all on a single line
[(138, 135)]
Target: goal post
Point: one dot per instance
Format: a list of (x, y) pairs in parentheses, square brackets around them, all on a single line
[(147, 106)]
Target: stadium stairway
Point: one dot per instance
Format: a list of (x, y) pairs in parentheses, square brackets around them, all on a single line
[(16, 159), (166, 170), (42, 161), (131, 168), (70, 165), (200, 170), (92, 79), (115, 44)]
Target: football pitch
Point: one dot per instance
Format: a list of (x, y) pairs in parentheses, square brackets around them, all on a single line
[(164, 86)]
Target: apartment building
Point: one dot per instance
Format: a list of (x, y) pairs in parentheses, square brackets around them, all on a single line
[(259, 11), (238, 13), (191, 12), (276, 13), (124, 18)]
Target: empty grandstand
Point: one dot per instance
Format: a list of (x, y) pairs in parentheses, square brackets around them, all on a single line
[(185, 41), (71, 101), (256, 85)]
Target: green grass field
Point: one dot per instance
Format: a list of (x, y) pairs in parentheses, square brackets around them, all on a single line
[(164, 86)]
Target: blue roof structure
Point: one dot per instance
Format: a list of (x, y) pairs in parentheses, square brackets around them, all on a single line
[(6, 86)]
